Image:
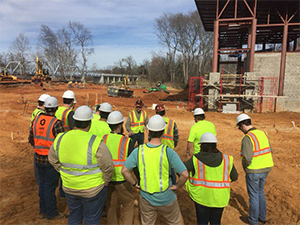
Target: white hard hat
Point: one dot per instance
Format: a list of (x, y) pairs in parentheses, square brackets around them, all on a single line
[(69, 94), (75, 100), (115, 117), (208, 138), (198, 111), (242, 117), (83, 113), (156, 123), (105, 107), (43, 97), (51, 102)]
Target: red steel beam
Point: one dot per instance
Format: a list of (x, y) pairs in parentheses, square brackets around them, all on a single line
[(283, 59), (252, 48), (223, 9), (250, 10), (216, 46)]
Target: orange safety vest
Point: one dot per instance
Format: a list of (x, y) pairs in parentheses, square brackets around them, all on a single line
[(42, 133), (137, 125)]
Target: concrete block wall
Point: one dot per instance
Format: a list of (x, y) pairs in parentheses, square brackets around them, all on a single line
[(267, 64)]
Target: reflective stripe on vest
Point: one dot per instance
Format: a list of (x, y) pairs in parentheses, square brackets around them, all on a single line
[(118, 146), (65, 119), (137, 125), (43, 142), (76, 166), (201, 181), (258, 151), (262, 153), (121, 151), (168, 135), (161, 188)]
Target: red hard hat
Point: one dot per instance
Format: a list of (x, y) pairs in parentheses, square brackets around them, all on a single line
[(159, 108), (139, 102)]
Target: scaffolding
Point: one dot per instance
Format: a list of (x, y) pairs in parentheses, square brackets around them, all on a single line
[(232, 93)]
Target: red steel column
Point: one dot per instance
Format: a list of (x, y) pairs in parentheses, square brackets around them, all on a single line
[(252, 49), (216, 46), (283, 59)]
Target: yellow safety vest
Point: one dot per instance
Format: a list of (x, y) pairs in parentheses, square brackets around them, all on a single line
[(210, 186), (76, 151), (99, 128), (35, 113), (118, 146), (199, 128), (62, 114), (262, 155), (137, 125), (153, 168), (168, 136)]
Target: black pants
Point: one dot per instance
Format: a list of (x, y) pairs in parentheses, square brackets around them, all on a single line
[(207, 215), (138, 137)]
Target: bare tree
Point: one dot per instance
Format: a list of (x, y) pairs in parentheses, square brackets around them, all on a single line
[(130, 65), (20, 48), (168, 36), (184, 35), (48, 48), (67, 53), (82, 38)]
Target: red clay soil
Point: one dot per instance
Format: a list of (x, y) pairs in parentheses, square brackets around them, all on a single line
[(19, 192)]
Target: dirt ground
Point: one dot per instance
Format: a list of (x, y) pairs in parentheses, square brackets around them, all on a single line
[(19, 192)]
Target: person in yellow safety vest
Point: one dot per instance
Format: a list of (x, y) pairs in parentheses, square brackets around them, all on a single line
[(257, 161), (154, 161), (170, 136), (200, 127), (45, 128), (136, 122), (39, 109), (100, 127), (85, 165), (211, 173), (65, 113), (120, 147)]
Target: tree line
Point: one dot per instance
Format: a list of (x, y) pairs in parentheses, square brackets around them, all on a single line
[(189, 50)]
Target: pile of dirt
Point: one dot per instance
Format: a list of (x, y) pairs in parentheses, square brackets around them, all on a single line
[(19, 192)]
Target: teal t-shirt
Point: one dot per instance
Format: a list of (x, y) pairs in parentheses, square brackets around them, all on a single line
[(197, 130), (158, 198)]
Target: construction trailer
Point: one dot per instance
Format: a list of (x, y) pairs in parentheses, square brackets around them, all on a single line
[(233, 93)]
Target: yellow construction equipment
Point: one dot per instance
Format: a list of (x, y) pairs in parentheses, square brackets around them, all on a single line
[(40, 74), (124, 91), (5, 76)]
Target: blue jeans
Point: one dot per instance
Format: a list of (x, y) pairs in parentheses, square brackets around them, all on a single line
[(207, 215), (36, 173), (138, 137), (89, 209), (257, 201), (48, 177)]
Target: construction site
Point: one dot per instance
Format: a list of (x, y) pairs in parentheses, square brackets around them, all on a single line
[(262, 83)]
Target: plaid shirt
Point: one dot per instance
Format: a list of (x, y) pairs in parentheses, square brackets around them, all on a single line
[(57, 128)]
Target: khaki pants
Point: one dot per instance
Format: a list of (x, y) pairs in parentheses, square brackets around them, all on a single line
[(124, 192), (170, 212)]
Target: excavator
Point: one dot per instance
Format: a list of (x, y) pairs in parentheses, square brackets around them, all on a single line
[(124, 91), (158, 88), (40, 74), (5, 76)]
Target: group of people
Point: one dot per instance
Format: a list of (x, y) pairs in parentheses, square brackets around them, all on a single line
[(99, 166)]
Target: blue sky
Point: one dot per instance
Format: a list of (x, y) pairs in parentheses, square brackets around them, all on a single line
[(120, 28)]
